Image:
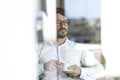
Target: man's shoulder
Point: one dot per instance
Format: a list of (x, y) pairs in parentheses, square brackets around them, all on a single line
[(76, 45), (71, 42)]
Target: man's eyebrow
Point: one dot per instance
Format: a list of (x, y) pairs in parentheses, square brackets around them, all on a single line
[(58, 19)]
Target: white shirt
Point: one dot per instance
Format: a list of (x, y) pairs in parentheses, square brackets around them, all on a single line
[(75, 54)]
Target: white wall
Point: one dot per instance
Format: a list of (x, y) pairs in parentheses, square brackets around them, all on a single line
[(110, 35), (18, 58)]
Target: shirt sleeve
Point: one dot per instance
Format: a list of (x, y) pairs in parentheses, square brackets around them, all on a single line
[(91, 68)]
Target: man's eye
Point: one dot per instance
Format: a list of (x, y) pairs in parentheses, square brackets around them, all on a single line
[(66, 21), (59, 22)]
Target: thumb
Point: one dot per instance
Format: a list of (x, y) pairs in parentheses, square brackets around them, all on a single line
[(72, 67)]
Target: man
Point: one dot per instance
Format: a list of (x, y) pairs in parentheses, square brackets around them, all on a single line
[(82, 63)]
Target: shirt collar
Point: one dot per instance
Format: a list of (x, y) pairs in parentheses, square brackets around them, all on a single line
[(54, 43), (65, 43)]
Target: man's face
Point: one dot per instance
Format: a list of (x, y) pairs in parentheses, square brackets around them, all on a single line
[(62, 26)]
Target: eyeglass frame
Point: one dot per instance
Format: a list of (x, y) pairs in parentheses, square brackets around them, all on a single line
[(65, 22)]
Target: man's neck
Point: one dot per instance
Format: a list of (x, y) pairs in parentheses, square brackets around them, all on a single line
[(60, 41)]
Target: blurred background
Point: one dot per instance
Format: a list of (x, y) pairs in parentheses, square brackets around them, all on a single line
[(84, 18)]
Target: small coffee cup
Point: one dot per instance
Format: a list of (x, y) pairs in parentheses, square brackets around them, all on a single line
[(65, 66)]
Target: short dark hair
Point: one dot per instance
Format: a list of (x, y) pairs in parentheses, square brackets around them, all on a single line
[(60, 10)]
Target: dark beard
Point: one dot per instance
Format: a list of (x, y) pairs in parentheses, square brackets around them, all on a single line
[(62, 35)]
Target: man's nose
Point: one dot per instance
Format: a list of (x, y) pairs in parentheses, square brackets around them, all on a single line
[(63, 24)]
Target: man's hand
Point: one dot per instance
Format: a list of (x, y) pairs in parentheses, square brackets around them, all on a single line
[(75, 71), (52, 65)]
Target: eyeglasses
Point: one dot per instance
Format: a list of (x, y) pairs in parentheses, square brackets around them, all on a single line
[(59, 22)]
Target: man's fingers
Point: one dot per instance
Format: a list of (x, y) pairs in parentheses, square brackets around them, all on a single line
[(58, 64), (72, 75), (51, 68)]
